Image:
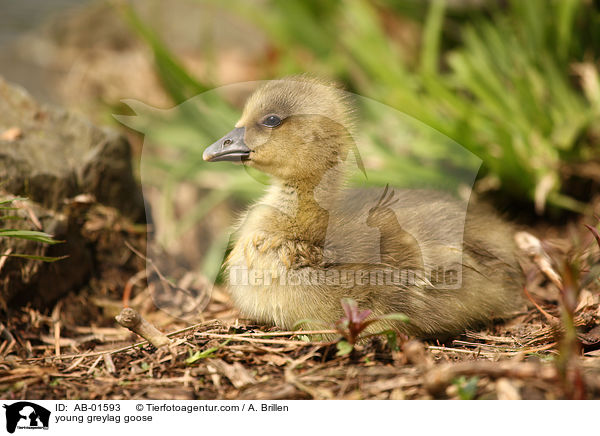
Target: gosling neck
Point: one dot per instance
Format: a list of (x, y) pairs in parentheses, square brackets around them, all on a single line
[(306, 204)]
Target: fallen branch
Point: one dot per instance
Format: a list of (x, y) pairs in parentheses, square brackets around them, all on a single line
[(131, 319)]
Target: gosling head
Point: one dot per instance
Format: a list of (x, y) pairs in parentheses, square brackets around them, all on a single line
[(294, 129)]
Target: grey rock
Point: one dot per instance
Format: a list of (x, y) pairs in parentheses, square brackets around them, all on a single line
[(60, 155), (55, 156)]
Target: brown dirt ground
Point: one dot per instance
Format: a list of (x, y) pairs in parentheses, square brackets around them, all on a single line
[(77, 351)]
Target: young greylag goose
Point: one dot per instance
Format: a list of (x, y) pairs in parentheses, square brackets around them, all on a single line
[(303, 247)]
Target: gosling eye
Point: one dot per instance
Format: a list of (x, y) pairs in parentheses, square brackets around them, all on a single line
[(271, 121)]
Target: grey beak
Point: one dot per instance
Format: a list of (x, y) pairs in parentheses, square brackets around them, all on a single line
[(230, 147)]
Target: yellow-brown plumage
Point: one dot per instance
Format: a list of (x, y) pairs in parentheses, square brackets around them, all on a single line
[(308, 225)]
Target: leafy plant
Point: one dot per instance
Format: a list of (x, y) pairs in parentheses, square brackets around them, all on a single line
[(575, 276), (505, 91), (569, 348), (571, 273), (355, 321), (31, 235)]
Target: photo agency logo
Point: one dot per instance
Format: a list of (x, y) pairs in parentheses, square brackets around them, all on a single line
[(347, 193), (25, 415)]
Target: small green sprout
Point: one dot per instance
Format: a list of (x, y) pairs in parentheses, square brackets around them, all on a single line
[(355, 321)]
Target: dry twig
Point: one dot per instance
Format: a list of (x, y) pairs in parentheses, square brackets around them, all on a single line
[(131, 319), (533, 248)]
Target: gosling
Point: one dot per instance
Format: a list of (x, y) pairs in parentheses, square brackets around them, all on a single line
[(295, 249)]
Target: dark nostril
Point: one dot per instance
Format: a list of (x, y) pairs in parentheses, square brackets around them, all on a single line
[(227, 142)]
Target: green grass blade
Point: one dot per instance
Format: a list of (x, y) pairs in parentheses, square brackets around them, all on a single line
[(31, 235)]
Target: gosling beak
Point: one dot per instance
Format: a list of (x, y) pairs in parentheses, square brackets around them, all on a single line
[(230, 147)]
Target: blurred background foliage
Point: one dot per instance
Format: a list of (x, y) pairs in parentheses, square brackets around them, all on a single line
[(505, 90), (516, 83)]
